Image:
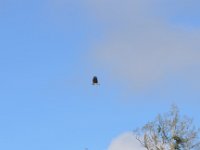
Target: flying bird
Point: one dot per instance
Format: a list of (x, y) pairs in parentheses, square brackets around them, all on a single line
[(95, 81)]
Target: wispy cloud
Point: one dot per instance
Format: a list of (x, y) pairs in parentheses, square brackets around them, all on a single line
[(143, 42), (125, 141), (141, 46)]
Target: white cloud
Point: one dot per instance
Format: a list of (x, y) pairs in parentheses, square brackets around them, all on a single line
[(142, 47), (125, 141), (141, 44)]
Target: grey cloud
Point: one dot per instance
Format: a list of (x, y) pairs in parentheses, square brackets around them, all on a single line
[(141, 46)]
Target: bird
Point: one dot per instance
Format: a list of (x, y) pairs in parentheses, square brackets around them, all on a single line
[(95, 81)]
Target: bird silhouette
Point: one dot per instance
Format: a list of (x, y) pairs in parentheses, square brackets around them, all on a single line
[(95, 81)]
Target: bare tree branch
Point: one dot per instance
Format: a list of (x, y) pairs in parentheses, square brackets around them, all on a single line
[(169, 132)]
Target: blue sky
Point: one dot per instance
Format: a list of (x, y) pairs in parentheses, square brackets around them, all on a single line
[(50, 50)]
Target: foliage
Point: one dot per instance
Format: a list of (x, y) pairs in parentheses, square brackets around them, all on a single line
[(169, 132)]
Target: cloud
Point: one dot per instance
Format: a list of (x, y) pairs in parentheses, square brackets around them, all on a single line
[(125, 141), (141, 45), (144, 41)]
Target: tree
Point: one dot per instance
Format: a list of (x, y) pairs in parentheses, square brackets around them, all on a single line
[(169, 132)]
